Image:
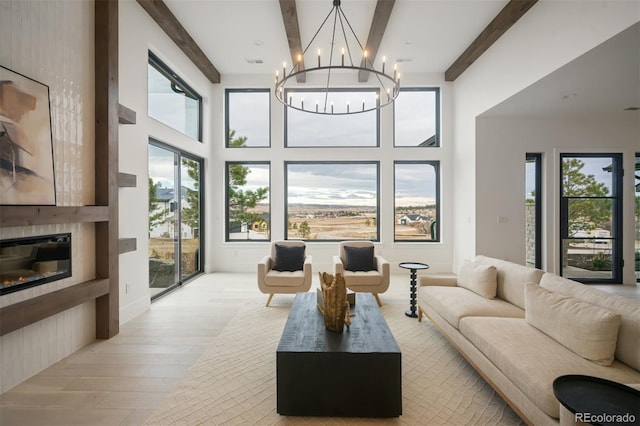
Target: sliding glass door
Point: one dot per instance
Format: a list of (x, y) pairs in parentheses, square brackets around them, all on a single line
[(175, 211)]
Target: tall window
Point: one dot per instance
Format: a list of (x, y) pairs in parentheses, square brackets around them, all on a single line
[(533, 210), (417, 117), (637, 251), (248, 208), (417, 201), (248, 118), (591, 217), (332, 201), (171, 100), (315, 130)]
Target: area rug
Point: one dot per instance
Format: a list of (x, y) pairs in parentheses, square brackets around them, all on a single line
[(234, 381)]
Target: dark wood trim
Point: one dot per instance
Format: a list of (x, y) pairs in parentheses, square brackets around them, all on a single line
[(22, 314), (126, 180), (167, 21), (106, 164), (126, 115), (46, 215), (125, 245), (508, 16), (376, 32), (291, 27)]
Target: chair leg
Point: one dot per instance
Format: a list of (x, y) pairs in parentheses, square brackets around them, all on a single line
[(377, 299), (269, 299)]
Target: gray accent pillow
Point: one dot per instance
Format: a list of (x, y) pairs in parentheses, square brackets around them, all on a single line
[(289, 258), (359, 259)]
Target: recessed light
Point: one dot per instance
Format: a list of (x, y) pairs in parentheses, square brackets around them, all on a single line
[(258, 42), (255, 61), (404, 59), (408, 42)]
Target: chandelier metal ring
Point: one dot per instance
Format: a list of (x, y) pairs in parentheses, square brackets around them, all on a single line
[(388, 86)]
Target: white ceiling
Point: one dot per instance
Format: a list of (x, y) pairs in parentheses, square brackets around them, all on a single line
[(432, 33), (605, 80)]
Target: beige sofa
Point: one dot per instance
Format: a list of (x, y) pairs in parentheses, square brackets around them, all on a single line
[(521, 336)]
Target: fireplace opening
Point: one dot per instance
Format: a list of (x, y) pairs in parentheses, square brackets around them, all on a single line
[(31, 261)]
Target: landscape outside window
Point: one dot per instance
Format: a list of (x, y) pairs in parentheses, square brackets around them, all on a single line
[(417, 118), (171, 101), (304, 129), (248, 115), (416, 200), (590, 217), (248, 208), (332, 201)]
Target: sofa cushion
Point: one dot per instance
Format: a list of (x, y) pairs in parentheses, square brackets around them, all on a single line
[(362, 278), (479, 278), (359, 258), (511, 278), (289, 258), (532, 360), (284, 278), (629, 332), (455, 303), (586, 329)]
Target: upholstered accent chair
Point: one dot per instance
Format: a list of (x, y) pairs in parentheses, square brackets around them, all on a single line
[(287, 269), (363, 270)]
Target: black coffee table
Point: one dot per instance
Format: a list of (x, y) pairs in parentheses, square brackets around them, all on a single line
[(597, 401), (413, 266), (356, 373)]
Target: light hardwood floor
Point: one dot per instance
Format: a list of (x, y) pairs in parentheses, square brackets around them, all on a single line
[(121, 381)]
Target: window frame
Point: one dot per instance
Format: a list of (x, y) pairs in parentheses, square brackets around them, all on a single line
[(174, 78), (339, 90), (436, 90), (226, 114), (616, 216), (226, 200), (536, 158), (436, 166), (343, 162)]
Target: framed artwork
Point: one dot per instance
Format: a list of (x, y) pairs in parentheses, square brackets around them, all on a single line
[(26, 150)]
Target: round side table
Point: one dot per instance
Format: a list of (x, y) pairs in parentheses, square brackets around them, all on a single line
[(413, 266), (597, 401)]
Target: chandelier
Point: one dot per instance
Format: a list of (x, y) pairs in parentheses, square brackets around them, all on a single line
[(334, 74)]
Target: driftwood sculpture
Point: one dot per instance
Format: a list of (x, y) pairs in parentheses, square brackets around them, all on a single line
[(335, 305)]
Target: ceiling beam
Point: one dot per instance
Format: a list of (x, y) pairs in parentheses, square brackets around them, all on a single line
[(376, 32), (290, 19), (167, 21), (508, 16)]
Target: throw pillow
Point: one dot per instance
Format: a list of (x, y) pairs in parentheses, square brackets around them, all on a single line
[(359, 258), (586, 329), (289, 258), (479, 278)]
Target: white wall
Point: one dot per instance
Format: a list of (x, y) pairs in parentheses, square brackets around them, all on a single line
[(550, 35), (52, 42), (502, 145), (138, 34)]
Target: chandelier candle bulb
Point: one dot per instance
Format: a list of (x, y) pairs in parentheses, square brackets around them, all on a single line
[(301, 103), (289, 100), (363, 104), (284, 70), (316, 106), (331, 107), (343, 56), (318, 58), (347, 107)]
